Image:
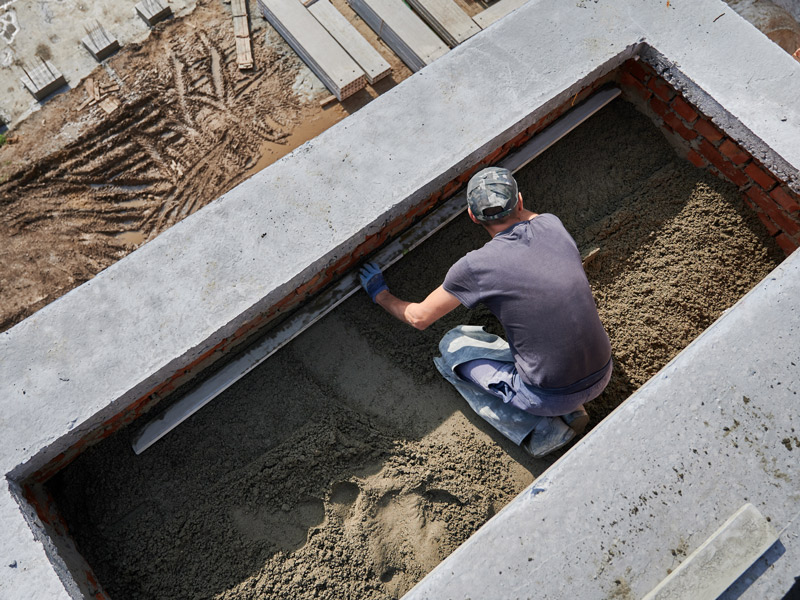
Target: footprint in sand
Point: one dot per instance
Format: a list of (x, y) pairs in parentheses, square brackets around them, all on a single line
[(343, 496), (286, 528), (405, 533)]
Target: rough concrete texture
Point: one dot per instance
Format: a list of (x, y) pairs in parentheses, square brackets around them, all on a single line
[(346, 466), (716, 428), (59, 26), (163, 306)]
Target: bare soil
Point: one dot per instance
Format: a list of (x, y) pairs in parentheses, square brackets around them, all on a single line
[(345, 467), (80, 188)]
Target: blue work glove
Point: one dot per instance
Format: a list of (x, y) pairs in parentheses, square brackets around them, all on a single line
[(372, 279)]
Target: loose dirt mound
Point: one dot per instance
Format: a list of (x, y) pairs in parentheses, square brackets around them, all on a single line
[(345, 467)]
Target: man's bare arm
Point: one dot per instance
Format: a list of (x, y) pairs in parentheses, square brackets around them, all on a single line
[(419, 314)]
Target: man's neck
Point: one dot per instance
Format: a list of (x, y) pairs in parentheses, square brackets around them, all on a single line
[(495, 228)]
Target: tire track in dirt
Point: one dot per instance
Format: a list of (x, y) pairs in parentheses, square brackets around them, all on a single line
[(189, 127)]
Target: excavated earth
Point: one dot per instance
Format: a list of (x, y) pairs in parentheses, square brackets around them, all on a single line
[(344, 467), (81, 187)]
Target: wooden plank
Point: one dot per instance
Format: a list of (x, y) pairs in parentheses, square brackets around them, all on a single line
[(109, 105), (238, 8), (496, 12), (402, 30), (244, 53), (447, 19), (323, 55), (241, 33), (351, 40), (240, 27)]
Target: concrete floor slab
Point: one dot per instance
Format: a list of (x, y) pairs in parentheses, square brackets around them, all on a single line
[(92, 354)]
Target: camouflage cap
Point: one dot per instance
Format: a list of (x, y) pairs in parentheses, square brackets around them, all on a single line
[(492, 194)]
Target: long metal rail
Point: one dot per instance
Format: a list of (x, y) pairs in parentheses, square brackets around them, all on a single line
[(326, 301)]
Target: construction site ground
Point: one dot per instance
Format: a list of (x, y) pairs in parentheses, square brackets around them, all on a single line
[(80, 188), (345, 466)]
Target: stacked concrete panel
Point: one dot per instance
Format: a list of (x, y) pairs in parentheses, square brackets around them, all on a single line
[(100, 43), (318, 49), (43, 80), (373, 64), (402, 30), (447, 19), (153, 11)]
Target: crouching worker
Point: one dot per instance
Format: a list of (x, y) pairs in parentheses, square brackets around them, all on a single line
[(529, 275)]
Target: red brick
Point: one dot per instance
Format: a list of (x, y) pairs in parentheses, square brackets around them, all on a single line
[(734, 152), (725, 167), (772, 229), (629, 80), (708, 131), (635, 68), (661, 88), (786, 243), (684, 109), (695, 159), (675, 123), (659, 107), (760, 176), (749, 197), (757, 195), (785, 200), (782, 220)]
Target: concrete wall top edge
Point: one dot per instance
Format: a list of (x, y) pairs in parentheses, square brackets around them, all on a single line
[(750, 90), (91, 351)]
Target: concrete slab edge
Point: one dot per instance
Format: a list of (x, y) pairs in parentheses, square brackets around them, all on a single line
[(721, 559), (726, 121)]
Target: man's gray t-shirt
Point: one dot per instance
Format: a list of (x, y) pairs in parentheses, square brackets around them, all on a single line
[(530, 276)]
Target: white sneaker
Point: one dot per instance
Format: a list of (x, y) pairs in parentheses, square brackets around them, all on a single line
[(550, 434)]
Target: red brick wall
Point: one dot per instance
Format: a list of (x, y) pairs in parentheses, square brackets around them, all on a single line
[(707, 146)]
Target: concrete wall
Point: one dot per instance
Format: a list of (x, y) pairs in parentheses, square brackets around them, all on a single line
[(99, 356)]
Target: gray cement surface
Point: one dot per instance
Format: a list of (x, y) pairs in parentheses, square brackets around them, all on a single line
[(719, 561), (239, 255)]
